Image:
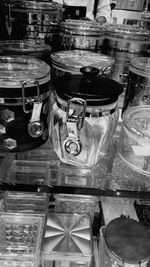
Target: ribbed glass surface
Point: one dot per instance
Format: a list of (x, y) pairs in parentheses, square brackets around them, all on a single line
[(68, 233)]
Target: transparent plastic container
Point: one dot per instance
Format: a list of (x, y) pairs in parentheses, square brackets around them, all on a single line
[(134, 142), (76, 204), (27, 172), (26, 202), (74, 244), (33, 172), (20, 239), (73, 175)]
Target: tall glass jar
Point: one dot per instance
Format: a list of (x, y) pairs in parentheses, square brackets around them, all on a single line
[(138, 83), (84, 116), (134, 142)]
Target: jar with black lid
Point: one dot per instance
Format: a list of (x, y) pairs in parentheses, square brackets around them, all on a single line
[(84, 116)]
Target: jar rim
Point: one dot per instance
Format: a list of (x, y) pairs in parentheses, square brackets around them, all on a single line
[(15, 69), (23, 46), (140, 66), (134, 115)]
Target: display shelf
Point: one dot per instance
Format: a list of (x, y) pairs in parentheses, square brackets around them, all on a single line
[(40, 170)]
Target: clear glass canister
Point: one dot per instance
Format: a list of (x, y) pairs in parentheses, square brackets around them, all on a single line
[(138, 89), (81, 34), (84, 116), (134, 143)]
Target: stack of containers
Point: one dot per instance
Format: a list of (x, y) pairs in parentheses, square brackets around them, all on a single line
[(134, 141), (125, 42)]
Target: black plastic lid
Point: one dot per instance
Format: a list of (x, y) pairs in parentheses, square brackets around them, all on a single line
[(90, 86), (128, 240)]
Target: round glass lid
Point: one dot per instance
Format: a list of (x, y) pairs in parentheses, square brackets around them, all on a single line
[(72, 61), (81, 26), (22, 47), (38, 5), (14, 70), (128, 32)]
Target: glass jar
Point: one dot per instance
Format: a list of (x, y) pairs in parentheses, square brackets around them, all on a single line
[(24, 103), (84, 116), (124, 242), (81, 34), (134, 142), (125, 43), (138, 89), (33, 20)]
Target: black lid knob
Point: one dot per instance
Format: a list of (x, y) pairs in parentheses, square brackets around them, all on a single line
[(89, 71), (90, 86)]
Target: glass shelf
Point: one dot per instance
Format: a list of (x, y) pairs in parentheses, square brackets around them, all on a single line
[(40, 170)]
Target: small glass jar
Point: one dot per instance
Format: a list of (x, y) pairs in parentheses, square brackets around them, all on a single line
[(124, 242), (84, 116), (134, 142)]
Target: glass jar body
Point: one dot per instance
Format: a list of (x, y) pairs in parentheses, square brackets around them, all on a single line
[(88, 144)]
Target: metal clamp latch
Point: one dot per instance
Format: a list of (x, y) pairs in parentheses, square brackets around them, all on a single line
[(35, 125), (74, 123)]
